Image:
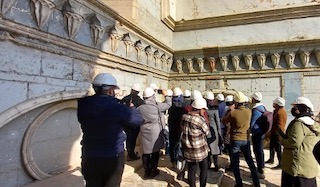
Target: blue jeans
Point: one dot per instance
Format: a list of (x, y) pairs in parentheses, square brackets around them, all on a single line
[(244, 147), (257, 142)]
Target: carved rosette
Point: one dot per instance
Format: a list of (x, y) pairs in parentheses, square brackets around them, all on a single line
[(169, 63), (261, 60), (139, 48), (5, 5), (248, 61), (235, 62), (290, 59), (179, 66), (190, 65), (212, 62), (73, 22), (305, 57), (156, 56), (200, 62), (42, 11), (128, 43), (148, 53), (317, 53), (275, 59), (114, 39), (224, 63)]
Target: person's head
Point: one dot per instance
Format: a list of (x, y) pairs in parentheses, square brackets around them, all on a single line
[(256, 97), (105, 84), (199, 104), (209, 96), (239, 99), (302, 106), (177, 92), (279, 102), (135, 88), (220, 97), (229, 100), (148, 92), (154, 87), (196, 94), (186, 94)]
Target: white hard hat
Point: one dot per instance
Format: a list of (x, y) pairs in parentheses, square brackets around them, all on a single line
[(229, 98), (105, 79), (304, 101), (177, 91), (148, 92), (209, 95), (187, 93), (279, 101), (246, 99), (154, 86), (199, 103), (257, 96), (220, 97), (169, 92), (239, 97), (196, 94), (135, 87)]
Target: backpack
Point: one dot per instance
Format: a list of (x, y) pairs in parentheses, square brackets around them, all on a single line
[(265, 121)]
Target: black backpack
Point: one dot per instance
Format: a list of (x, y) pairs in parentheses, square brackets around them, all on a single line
[(265, 121)]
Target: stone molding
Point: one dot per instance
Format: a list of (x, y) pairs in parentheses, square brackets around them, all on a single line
[(27, 155), (312, 10), (26, 106)]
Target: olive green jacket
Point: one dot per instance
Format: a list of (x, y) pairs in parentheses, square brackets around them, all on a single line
[(297, 158)]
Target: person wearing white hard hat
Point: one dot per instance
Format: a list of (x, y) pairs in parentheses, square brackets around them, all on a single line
[(175, 113), (102, 120), (132, 132), (278, 127), (226, 135), (194, 142), (186, 97), (222, 104), (239, 120), (215, 130), (257, 134), (298, 164), (152, 138)]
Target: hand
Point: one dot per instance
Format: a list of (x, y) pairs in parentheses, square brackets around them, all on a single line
[(164, 92)]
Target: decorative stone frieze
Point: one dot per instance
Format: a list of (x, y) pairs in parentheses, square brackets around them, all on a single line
[(114, 39), (190, 65), (179, 66), (149, 54), (235, 62), (128, 43), (290, 59), (261, 60), (248, 61), (275, 59), (212, 62), (139, 48), (305, 57), (42, 10), (6, 5), (224, 63), (97, 31), (156, 56), (201, 65)]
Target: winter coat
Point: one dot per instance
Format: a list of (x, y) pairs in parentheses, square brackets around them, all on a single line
[(256, 114), (102, 120), (214, 121), (297, 158), (151, 130)]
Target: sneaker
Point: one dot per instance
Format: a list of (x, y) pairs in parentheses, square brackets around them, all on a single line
[(180, 176), (135, 157), (269, 161), (277, 167)]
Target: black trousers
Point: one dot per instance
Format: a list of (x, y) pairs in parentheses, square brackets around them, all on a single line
[(275, 146), (192, 169), (132, 134), (291, 181), (150, 161), (103, 172)]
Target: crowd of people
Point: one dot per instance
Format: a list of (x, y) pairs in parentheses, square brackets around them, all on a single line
[(204, 125)]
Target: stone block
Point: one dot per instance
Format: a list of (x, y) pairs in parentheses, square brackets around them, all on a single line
[(57, 66), (12, 93), (36, 90)]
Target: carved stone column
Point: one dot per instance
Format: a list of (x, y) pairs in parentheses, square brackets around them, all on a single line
[(275, 59), (42, 10), (179, 66), (5, 5), (114, 39), (305, 57), (290, 59), (248, 61), (190, 65), (261, 60), (128, 43), (212, 62), (235, 61), (224, 63), (201, 65), (139, 48)]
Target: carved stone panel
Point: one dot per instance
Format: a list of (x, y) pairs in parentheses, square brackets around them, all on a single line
[(235, 62), (179, 66), (139, 48), (275, 59), (169, 63), (149, 54), (128, 43), (212, 62), (224, 63), (97, 31), (290, 59), (73, 22), (156, 56), (248, 61), (317, 53), (5, 5), (114, 39), (305, 57), (201, 64), (190, 65), (42, 11), (261, 60)]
